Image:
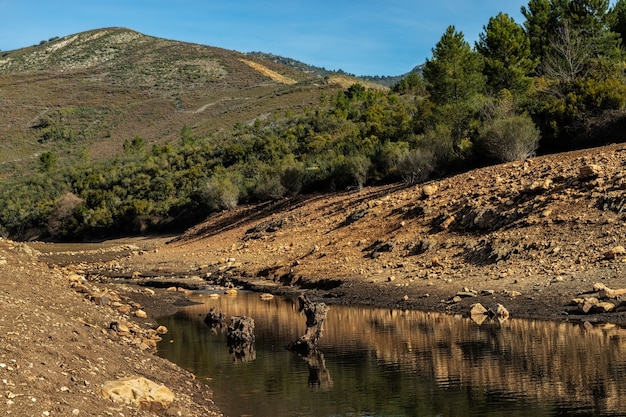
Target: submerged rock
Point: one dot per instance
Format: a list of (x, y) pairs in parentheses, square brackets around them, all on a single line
[(240, 330), (240, 338)]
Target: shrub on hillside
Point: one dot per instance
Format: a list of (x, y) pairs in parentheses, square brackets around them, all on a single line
[(510, 138), (221, 193), (416, 166), (292, 179), (61, 220)]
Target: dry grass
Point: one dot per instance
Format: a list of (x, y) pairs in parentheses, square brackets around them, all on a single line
[(269, 73), (105, 86), (346, 82)]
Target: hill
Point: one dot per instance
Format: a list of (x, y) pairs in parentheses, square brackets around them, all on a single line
[(83, 95), (384, 80), (530, 235)]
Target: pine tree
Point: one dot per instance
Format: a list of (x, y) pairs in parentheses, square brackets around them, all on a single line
[(455, 72), (506, 51), (618, 21), (539, 24), (591, 18)]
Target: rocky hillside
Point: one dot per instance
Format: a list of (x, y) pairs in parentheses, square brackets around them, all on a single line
[(530, 235), (83, 95)]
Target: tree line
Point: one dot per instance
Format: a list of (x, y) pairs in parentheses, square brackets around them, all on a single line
[(553, 83)]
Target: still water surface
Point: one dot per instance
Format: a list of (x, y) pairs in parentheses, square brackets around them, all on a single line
[(380, 362)]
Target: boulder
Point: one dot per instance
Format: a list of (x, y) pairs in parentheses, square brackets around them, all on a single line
[(499, 311), (240, 330), (429, 190), (240, 339), (614, 252), (588, 172), (478, 313), (606, 292), (139, 392)]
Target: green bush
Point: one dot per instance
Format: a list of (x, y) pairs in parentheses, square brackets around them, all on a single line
[(508, 139), (221, 193), (416, 166)]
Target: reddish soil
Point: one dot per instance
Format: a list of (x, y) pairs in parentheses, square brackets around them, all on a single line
[(531, 236)]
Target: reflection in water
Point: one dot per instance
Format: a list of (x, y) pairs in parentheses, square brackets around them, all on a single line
[(319, 377), (378, 362)]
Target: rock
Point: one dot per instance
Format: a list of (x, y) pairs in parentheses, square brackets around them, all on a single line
[(141, 314), (240, 339), (240, 330), (213, 318), (478, 313), (75, 278), (587, 304), (615, 252), (139, 392), (606, 292), (266, 296), (592, 304), (119, 327), (429, 190), (478, 309), (447, 222), (588, 172), (124, 309), (604, 307), (466, 294), (538, 186), (161, 330), (420, 247), (500, 312)]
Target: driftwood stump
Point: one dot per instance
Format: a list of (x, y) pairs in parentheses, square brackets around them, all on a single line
[(315, 314)]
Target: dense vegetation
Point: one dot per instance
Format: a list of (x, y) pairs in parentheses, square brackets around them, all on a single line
[(554, 83)]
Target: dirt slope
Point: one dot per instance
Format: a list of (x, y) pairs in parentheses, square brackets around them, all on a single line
[(58, 346), (530, 235)]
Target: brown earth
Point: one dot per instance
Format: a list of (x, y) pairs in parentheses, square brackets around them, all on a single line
[(530, 235)]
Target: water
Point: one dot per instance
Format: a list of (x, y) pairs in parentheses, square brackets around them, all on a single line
[(379, 362)]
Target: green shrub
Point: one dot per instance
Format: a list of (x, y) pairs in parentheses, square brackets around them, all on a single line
[(292, 179), (416, 166), (221, 193), (508, 139)]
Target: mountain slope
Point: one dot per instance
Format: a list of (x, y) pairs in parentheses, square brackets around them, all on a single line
[(82, 95)]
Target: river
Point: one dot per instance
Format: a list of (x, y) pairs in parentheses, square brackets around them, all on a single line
[(381, 362)]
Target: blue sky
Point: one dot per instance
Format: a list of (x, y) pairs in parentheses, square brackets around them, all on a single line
[(364, 37)]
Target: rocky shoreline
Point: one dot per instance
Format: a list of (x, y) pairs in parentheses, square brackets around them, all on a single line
[(70, 346), (543, 238)]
